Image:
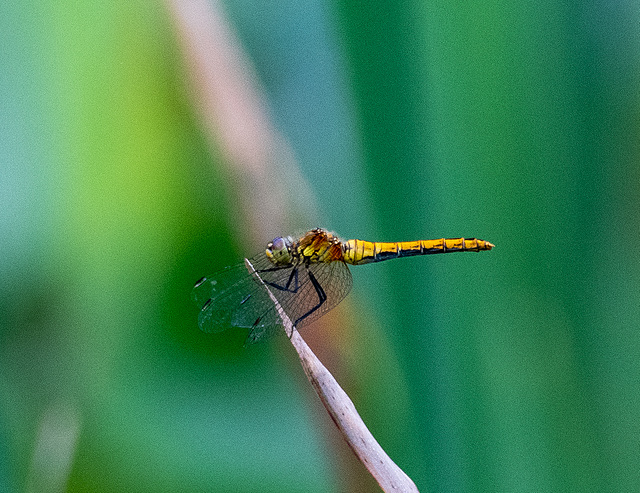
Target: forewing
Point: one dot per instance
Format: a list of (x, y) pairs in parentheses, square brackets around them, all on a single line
[(233, 298)]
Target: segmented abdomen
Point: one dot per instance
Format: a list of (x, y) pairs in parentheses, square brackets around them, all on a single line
[(357, 252)]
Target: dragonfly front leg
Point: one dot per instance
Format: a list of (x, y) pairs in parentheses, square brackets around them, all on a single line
[(293, 279)]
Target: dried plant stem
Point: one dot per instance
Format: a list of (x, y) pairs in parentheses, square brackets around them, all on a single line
[(344, 414)]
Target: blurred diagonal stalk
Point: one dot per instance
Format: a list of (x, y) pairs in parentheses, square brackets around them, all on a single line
[(231, 106), (55, 447)]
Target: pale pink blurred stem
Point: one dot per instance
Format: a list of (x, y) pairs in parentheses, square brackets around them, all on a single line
[(270, 188)]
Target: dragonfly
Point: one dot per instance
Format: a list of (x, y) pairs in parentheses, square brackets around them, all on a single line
[(307, 276)]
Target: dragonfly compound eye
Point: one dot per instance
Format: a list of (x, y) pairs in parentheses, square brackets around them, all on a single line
[(278, 250)]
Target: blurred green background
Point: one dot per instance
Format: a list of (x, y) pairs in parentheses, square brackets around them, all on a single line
[(511, 370)]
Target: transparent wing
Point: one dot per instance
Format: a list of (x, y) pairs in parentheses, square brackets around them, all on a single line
[(320, 288), (306, 292), (233, 297)]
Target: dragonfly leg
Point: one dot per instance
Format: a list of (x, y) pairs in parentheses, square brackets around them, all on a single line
[(293, 279), (322, 297)]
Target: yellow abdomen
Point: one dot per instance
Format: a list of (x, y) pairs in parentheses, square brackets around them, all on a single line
[(357, 252)]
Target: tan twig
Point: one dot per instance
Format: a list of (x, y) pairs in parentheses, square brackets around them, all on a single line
[(341, 409)]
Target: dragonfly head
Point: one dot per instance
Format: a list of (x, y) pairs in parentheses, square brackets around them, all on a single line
[(279, 250)]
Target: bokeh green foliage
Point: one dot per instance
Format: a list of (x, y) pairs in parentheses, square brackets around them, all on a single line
[(511, 370)]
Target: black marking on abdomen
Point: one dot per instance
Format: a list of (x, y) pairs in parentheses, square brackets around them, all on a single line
[(409, 252), (436, 249), (385, 255)]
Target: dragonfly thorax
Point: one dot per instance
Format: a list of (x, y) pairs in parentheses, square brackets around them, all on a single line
[(318, 246), (315, 247)]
